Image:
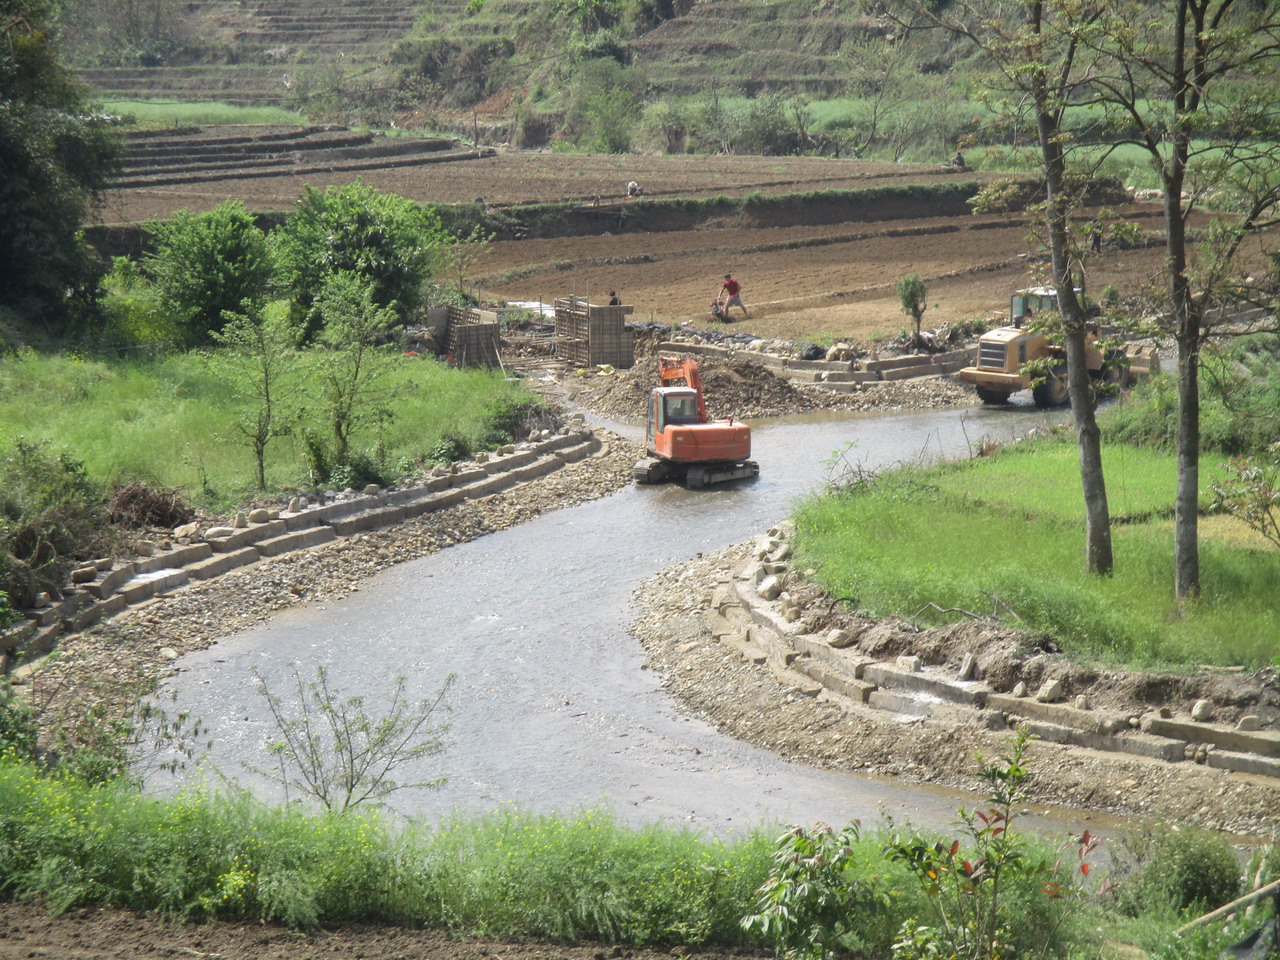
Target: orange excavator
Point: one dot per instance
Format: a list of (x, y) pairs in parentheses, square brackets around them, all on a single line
[(683, 444)]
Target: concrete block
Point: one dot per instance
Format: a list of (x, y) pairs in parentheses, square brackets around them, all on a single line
[(299, 540), (1060, 713), (138, 590), (539, 468), (1243, 763), (509, 462), (177, 557), (464, 477), (437, 501), (249, 535), (899, 703), (833, 679), (14, 638), (220, 563), (486, 487), (579, 451), (969, 693), (42, 642), (365, 520), (110, 583), (1264, 743), (745, 648), (796, 680), (301, 520)]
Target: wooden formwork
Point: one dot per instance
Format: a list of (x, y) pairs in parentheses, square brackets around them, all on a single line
[(591, 335), (472, 339)]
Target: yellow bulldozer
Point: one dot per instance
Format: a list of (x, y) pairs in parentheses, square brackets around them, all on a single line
[(999, 368)]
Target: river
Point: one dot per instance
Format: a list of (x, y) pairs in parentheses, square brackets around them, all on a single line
[(551, 709)]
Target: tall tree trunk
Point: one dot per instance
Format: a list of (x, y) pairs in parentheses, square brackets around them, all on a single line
[(1098, 556), (1186, 514)]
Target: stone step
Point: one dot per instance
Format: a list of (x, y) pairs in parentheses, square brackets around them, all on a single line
[(297, 540), (221, 563), (970, 693)]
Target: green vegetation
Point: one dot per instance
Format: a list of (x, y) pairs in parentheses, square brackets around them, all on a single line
[(210, 113), (56, 156), (587, 876), (169, 419), (389, 242), (1011, 526), (206, 264)]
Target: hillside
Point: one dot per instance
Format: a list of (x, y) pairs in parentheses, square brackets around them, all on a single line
[(224, 49), (495, 61)]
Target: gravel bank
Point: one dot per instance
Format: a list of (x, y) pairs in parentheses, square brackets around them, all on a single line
[(743, 700)]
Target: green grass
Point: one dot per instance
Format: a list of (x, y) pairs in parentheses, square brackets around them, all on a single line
[(1011, 527), (156, 113), (170, 420), (570, 877), (582, 875)]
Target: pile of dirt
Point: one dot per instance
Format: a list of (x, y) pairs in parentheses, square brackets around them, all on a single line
[(746, 390)]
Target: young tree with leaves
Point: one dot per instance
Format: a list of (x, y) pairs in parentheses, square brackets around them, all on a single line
[(56, 157), (259, 360), (205, 265), (911, 294), (354, 366), (1036, 51), (394, 245)]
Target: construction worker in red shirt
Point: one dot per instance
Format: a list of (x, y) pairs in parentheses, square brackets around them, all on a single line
[(731, 296)]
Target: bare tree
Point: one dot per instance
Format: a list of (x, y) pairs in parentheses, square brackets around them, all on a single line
[(333, 750)]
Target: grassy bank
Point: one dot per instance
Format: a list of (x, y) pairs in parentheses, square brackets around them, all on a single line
[(578, 876), (581, 876), (170, 420), (1011, 527)]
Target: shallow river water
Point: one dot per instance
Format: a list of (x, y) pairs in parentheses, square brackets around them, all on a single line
[(551, 709)]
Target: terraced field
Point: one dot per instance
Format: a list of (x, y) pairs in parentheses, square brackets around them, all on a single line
[(265, 43), (808, 271), (197, 156)]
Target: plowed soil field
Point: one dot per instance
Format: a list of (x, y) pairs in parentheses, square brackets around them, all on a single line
[(817, 282)]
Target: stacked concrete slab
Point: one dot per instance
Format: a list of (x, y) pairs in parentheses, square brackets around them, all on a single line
[(107, 588), (843, 376), (752, 614)]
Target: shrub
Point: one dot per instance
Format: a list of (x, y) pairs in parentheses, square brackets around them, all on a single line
[(50, 515), (1187, 869), (512, 419), (450, 447), (17, 720), (207, 263), (389, 242)]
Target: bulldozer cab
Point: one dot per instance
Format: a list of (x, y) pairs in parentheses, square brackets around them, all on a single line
[(1034, 301)]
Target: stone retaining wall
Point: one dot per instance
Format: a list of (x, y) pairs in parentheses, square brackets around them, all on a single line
[(844, 376), (102, 590), (753, 615)]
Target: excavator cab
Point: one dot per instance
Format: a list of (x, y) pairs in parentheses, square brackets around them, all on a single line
[(673, 405)]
